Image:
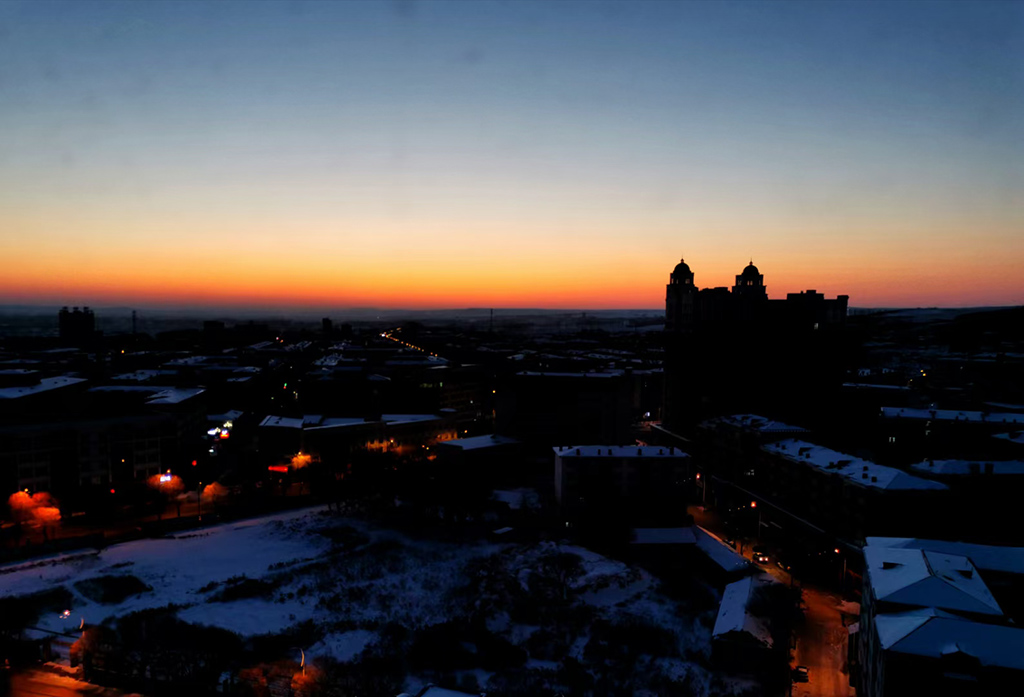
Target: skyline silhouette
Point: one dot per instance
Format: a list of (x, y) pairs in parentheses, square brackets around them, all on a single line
[(428, 155)]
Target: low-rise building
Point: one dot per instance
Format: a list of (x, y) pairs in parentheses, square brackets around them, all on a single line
[(930, 623), (621, 481)]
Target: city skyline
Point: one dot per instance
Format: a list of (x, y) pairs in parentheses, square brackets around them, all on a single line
[(553, 155)]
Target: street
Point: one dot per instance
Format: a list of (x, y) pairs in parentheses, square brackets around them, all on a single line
[(39, 683), (821, 646), (821, 639)]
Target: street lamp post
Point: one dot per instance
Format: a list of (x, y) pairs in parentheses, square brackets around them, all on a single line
[(200, 492)]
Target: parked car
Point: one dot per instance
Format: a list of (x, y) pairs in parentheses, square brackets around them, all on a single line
[(760, 555)]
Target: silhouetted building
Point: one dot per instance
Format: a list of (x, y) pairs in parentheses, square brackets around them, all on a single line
[(76, 325), (548, 408), (737, 350), (638, 484)]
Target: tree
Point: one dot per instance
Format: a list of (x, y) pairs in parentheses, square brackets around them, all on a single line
[(555, 575)]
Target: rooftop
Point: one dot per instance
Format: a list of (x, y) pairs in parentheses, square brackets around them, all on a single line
[(154, 394), (1014, 437), (733, 615), (967, 467), (281, 422), (664, 536), (857, 471), (717, 551), (1002, 417), (985, 557), (618, 451), (479, 442), (928, 579), (44, 385), (395, 419), (753, 422), (936, 634)]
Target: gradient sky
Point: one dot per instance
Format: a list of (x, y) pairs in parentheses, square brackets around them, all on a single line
[(509, 154)]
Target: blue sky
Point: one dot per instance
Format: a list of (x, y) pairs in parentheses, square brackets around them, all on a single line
[(817, 137)]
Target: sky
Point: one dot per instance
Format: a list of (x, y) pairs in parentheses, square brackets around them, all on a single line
[(419, 154)]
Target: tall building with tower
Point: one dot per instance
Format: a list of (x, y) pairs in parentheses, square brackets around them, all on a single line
[(76, 325), (729, 350)]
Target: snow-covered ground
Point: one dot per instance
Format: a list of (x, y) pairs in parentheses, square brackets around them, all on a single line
[(350, 579)]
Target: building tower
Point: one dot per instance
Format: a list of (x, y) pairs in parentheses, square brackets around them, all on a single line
[(750, 283), (680, 299)]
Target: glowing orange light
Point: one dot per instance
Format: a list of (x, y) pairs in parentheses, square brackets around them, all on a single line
[(753, 504), (278, 468)]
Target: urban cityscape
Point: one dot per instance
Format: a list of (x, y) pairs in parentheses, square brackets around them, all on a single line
[(425, 349)]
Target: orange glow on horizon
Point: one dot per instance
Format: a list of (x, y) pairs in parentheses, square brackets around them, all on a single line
[(568, 266)]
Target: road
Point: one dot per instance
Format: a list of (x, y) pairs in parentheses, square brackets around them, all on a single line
[(821, 646), (38, 683), (822, 638)]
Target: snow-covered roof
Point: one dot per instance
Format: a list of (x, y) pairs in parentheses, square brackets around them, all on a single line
[(517, 498), (1006, 406), (189, 360), (1014, 437), (394, 419), (962, 467), (939, 634), (618, 451), (664, 536), (174, 395), (479, 442), (854, 469), (754, 422), (870, 386), (733, 615), (155, 394), (556, 374), (928, 579), (331, 422), (281, 422), (229, 415), (894, 626), (1003, 417), (717, 551), (1009, 560), (142, 375), (44, 385)]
